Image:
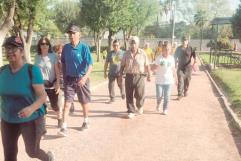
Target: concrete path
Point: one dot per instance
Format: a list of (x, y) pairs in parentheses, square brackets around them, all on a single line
[(195, 129)]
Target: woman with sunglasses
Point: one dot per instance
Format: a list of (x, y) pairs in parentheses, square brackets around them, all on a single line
[(22, 99), (47, 61)]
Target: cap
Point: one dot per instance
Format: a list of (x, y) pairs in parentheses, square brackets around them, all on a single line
[(184, 38), (135, 39), (14, 40), (73, 28)]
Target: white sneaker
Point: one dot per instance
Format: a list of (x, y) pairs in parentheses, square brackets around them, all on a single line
[(164, 112), (158, 109), (62, 132), (131, 115), (140, 111)]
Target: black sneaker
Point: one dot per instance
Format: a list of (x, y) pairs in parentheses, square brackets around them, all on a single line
[(62, 132), (50, 156), (85, 126)]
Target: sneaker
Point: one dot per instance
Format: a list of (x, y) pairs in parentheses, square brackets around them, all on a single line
[(62, 132), (140, 111), (130, 115), (85, 126), (123, 96), (179, 98), (111, 100), (50, 156), (164, 112), (158, 109), (185, 94)]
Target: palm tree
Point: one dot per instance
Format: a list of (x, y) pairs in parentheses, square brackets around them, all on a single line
[(200, 20)]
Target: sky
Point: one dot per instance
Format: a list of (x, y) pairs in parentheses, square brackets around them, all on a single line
[(234, 4)]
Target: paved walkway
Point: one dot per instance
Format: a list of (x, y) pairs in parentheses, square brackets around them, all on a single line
[(195, 129)]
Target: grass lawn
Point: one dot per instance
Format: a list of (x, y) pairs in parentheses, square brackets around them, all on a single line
[(229, 81), (97, 75)]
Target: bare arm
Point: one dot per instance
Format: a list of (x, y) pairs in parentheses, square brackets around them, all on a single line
[(105, 69), (41, 99), (57, 75)]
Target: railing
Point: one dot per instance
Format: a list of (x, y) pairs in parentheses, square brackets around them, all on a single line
[(227, 58)]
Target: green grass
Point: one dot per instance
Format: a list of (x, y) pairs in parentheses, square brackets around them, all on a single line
[(97, 75), (229, 81), (204, 57)]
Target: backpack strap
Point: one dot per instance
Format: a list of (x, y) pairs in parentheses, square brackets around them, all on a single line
[(30, 67)]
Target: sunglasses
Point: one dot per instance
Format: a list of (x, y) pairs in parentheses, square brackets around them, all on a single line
[(44, 44)]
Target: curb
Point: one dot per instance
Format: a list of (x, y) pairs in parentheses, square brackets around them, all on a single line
[(224, 100)]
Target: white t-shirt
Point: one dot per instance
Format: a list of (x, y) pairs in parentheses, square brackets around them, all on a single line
[(164, 71)]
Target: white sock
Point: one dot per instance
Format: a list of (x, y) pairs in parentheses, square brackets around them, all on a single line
[(86, 119), (64, 125)]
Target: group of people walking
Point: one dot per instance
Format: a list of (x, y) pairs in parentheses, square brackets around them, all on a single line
[(170, 65), (64, 72)]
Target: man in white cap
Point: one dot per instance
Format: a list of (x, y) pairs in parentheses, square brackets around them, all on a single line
[(134, 64)]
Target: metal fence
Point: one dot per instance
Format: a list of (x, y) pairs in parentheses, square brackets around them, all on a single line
[(228, 59)]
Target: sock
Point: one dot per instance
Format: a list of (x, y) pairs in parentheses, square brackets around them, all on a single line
[(64, 125), (86, 119)]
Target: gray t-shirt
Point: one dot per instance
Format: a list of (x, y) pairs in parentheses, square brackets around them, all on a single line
[(183, 55), (115, 60), (46, 65)]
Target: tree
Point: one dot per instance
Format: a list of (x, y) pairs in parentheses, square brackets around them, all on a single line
[(93, 13), (200, 20), (236, 23), (141, 12), (7, 13), (65, 13)]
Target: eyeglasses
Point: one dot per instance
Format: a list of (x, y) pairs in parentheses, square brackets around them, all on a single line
[(44, 44)]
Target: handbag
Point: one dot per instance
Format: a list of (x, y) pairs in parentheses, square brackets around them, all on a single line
[(48, 84)]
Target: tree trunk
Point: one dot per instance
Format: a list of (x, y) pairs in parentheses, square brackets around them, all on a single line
[(6, 26), (201, 41), (109, 40), (97, 46), (124, 36)]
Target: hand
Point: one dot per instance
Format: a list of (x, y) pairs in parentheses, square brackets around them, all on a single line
[(148, 78), (82, 81), (105, 75), (119, 80), (26, 112), (57, 88)]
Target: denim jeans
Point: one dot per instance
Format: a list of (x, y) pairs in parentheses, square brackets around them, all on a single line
[(31, 133), (163, 91)]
